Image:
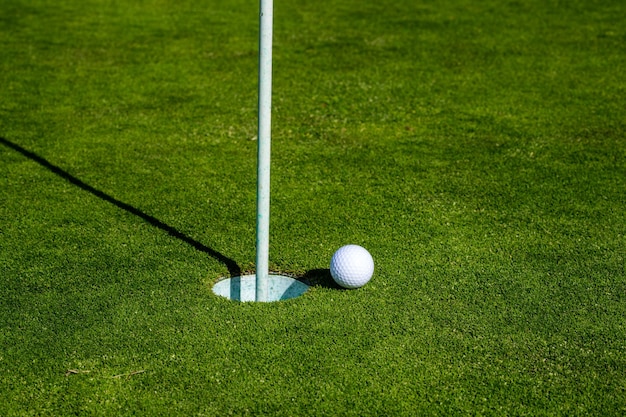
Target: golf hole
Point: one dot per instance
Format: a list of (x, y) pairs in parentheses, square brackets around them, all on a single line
[(243, 288)]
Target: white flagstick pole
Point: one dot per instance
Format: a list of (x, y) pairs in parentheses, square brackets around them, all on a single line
[(264, 142)]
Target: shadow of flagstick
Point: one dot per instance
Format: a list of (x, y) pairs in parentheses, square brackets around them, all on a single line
[(233, 268)]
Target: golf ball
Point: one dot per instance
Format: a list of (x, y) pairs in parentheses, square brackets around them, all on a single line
[(352, 266)]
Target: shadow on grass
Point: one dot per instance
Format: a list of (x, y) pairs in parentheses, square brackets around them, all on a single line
[(233, 268), (319, 278)]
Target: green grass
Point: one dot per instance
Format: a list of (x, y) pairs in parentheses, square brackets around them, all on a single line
[(476, 148)]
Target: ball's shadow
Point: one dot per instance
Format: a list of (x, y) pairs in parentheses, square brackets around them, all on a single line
[(320, 278)]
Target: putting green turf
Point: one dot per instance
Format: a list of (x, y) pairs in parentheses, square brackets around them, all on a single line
[(476, 148)]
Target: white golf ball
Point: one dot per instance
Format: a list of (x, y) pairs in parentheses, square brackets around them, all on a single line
[(352, 266)]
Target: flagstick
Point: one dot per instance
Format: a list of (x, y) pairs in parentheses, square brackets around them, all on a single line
[(264, 147)]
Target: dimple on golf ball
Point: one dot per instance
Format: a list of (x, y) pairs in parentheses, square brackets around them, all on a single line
[(352, 266)]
